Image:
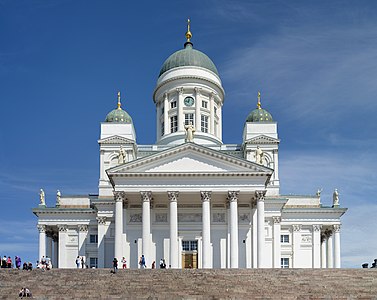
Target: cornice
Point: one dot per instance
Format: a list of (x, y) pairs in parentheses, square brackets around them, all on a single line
[(262, 139), (116, 139), (48, 210), (187, 77)]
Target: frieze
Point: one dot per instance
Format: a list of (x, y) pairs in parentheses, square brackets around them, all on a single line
[(306, 239), (190, 218), (161, 218), (136, 218), (218, 217), (244, 218)]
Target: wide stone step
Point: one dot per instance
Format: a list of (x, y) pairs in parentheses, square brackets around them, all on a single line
[(192, 284)]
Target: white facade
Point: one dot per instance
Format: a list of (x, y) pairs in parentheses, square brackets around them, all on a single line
[(200, 203)]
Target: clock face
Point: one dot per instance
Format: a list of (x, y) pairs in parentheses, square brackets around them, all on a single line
[(189, 101)]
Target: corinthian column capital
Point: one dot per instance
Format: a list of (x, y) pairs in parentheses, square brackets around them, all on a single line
[(146, 196), (206, 196), (336, 228), (233, 196), (120, 196), (259, 195), (173, 196), (41, 228)]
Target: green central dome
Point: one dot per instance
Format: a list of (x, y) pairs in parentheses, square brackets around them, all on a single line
[(188, 57)]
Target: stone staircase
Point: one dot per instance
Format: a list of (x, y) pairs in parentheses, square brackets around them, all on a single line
[(192, 284)]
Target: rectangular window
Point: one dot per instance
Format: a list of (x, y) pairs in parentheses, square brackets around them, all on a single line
[(173, 124), (204, 123), (189, 245), (284, 262), (204, 104), (186, 245), (189, 119), (162, 128), (93, 238), (173, 104), (93, 262), (284, 238)]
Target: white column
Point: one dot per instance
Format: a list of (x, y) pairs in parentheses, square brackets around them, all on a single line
[(323, 251), (83, 234), (336, 230), (255, 234), (277, 242), (55, 251), (330, 253), (166, 115), (101, 241), (146, 197), (228, 237), (62, 261), (260, 227), (158, 119), (180, 117), (174, 249), (212, 114), (233, 197), (198, 104), (296, 244), (316, 244), (119, 197), (206, 230), (219, 113), (42, 240)]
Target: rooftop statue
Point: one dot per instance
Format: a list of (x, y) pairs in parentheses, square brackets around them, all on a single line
[(58, 195), (121, 156), (42, 197), (189, 132), (259, 156), (335, 198)]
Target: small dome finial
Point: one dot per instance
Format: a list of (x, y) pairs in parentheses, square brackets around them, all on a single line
[(119, 104), (188, 32), (259, 104)]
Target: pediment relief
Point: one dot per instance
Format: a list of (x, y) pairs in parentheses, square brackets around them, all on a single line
[(262, 139), (189, 158), (116, 139)]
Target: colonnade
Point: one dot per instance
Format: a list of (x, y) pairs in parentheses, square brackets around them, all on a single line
[(330, 247)]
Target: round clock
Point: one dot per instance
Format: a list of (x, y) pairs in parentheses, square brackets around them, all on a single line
[(189, 101)]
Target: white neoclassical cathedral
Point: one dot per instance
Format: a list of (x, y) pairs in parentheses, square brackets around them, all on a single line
[(190, 198)]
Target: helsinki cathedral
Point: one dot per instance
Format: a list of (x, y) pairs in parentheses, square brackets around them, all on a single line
[(190, 198)]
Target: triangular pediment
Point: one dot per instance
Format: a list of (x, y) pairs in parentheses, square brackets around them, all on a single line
[(190, 158), (116, 139), (262, 139)]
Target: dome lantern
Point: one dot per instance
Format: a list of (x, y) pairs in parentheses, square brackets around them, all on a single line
[(259, 114), (118, 115)]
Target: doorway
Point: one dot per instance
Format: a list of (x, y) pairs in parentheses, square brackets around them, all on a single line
[(190, 254)]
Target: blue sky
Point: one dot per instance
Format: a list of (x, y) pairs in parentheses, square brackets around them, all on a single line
[(63, 61)]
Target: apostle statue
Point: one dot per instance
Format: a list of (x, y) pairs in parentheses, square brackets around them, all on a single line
[(189, 132), (335, 198), (58, 195), (42, 197), (318, 193), (121, 156), (259, 156)]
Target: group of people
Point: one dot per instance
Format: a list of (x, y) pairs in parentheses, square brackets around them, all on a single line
[(374, 264), (141, 263), (6, 262), (25, 292), (80, 262), (44, 264)]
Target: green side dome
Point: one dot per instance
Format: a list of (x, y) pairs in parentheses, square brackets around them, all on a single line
[(259, 114), (188, 57), (118, 115)]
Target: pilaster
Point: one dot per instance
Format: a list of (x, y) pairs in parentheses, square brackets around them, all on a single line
[(83, 234), (206, 230), (42, 240), (276, 242), (316, 246), (180, 117), (62, 261), (296, 228), (101, 240)]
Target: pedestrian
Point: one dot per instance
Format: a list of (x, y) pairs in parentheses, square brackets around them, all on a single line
[(4, 262), (153, 265), (9, 263), (18, 262), (143, 266), (82, 262), (78, 261), (115, 265), (124, 262)]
